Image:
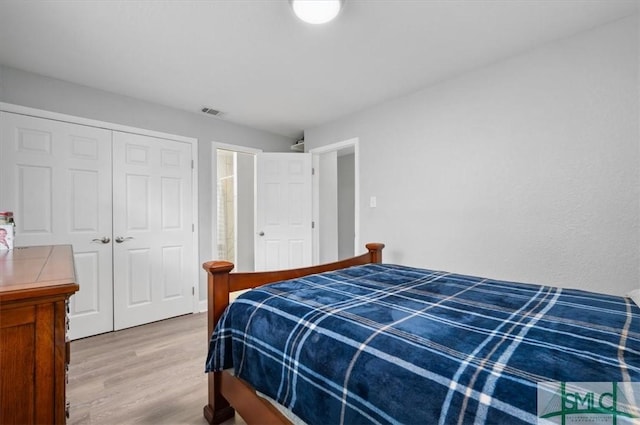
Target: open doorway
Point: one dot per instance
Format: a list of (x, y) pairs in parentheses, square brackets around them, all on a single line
[(336, 212), (235, 197), (336, 201)]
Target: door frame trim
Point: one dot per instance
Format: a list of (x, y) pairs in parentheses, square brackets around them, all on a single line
[(345, 144), (214, 184), (202, 304), (41, 113)]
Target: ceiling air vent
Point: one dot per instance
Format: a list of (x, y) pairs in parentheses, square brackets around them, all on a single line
[(211, 111)]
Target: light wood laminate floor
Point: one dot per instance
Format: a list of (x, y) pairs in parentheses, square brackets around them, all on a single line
[(151, 374)]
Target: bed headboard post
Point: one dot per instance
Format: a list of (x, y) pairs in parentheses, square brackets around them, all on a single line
[(218, 409), (375, 251), (217, 290)]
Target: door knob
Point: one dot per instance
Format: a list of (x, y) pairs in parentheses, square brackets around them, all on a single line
[(103, 240), (120, 239), (261, 234)]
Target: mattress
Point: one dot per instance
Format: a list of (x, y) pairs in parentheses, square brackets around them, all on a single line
[(384, 343)]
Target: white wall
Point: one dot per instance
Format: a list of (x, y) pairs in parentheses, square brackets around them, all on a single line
[(36, 91), (525, 170)]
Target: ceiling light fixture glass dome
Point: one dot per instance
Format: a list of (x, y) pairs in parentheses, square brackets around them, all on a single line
[(316, 11)]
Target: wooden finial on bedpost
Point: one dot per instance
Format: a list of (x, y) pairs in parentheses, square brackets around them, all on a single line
[(217, 289), (375, 251)]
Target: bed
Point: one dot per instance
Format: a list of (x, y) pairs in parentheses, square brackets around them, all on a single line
[(361, 341)]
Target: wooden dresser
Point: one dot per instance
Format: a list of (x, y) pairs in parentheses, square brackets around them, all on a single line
[(35, 285)]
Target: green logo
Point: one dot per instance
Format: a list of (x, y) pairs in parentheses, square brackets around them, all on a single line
[(567, 403)]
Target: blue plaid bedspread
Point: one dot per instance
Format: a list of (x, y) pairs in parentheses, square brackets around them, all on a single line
[(384, 343)]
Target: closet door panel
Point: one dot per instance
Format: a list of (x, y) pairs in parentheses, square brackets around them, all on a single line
[(138, 279), (56, 178), (153, 253), (34, 201), (87, 302)]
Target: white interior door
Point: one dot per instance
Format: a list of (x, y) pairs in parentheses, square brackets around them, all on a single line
[(56, 178), (283, 211), (153, 229)]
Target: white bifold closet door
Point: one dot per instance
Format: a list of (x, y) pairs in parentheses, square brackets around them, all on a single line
[(152, 228), (56, 177), (122, 201)]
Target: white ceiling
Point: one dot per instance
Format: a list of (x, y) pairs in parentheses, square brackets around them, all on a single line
[(253, 60)]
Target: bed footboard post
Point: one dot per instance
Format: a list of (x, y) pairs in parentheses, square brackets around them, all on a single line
[(218, 409), (375, 251)]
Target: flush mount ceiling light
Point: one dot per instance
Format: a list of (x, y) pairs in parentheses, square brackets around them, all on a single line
[(316, 11)]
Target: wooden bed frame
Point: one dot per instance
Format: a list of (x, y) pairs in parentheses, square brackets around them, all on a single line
[(227, 393)]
